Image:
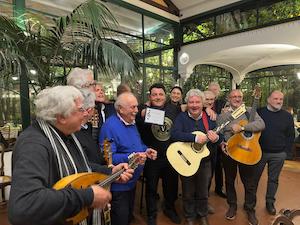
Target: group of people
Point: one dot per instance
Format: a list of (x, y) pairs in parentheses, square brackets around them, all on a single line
[(73, 122)]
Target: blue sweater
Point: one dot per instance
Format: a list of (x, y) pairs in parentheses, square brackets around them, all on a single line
[(126, 139), (279, 134)]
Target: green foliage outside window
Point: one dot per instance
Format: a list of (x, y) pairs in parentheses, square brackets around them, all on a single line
[(241, 19), (281, 78), (204, 74)]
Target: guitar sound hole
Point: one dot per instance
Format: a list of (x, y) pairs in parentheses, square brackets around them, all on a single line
[(197, 147), (247, 134)]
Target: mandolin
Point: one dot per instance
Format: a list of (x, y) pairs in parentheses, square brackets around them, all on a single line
[(244, 147), (185, 157), (85, 180)]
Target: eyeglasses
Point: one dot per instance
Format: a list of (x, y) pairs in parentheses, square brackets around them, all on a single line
[(236, 96), (81, 109)]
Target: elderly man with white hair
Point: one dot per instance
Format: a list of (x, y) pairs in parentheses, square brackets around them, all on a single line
[(122, 130), (84, 78), (46, 152), (195, 187)]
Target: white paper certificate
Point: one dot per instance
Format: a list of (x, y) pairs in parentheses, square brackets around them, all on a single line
[(155, 116)]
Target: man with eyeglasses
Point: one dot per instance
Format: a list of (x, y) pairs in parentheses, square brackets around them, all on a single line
[(84, 79), (247, 172), (48, 151)]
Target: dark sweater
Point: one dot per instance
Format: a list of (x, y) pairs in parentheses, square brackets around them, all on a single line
[(185, 125), (146, 129), (279, 132), (32, 200)]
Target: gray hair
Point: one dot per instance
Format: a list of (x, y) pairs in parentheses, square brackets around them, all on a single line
[(214, 84), (209, 93), (89, 98), (121, 98), (58, 100), (194, 92), (78, 77)]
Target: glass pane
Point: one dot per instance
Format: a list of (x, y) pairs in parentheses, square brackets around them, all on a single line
[(154, 60), (130, 22), (149, 45), (158, 31), (279, 11), (6, 9), (198, 31), (167, 58), (152, 76)]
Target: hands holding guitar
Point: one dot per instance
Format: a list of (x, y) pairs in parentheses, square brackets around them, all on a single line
[(236, 128), (210, 136)]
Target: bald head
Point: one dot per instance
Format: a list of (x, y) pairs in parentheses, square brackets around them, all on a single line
[(275, 100)]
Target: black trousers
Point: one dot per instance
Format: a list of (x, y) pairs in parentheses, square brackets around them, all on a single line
[(219, 170), (122, 207), (195, 191), (248, 175), (155, 169)]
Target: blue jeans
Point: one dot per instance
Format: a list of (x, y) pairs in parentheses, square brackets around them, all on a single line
[(275, 163)]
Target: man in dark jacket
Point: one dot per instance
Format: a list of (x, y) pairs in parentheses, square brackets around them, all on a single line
[(46, 152)]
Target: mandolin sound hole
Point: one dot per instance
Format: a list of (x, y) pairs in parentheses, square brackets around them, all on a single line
[(197, 147)]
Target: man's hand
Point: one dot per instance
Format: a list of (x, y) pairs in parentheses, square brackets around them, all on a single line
[(101, 197), (223, 146), (126, 175), (211, 113), (201, 139), (212, 136), (236, 128), (151, 153)]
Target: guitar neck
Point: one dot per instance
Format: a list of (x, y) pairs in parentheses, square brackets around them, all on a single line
[(253, 109), (111, 179)]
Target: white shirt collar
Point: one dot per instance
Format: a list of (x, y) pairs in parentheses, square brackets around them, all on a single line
[(126, 123), (199, 117)]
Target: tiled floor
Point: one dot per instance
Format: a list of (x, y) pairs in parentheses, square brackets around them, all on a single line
[(288, 196)]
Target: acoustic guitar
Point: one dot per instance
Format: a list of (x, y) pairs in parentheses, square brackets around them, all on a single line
[(185, 157), (244, 147), (85, 180)]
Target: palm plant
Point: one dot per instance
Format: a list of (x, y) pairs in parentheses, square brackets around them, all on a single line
[(82, 38)]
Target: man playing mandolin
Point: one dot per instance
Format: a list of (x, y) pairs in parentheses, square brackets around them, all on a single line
[(247, 172), (45, 153)]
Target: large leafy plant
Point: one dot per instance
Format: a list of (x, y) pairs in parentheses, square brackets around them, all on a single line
[(82, 38)]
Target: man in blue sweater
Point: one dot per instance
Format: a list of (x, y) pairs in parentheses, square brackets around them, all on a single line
[(276, 141), (121, 129)]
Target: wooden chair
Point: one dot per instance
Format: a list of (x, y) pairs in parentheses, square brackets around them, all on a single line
[(4, 180)]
